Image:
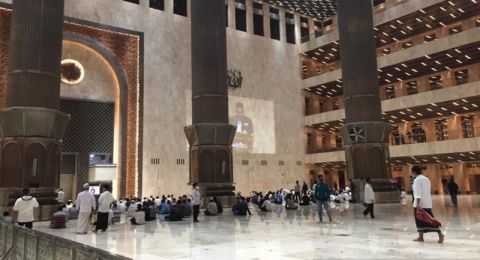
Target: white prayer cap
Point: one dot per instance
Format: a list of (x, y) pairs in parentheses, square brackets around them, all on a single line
[(86, 186)]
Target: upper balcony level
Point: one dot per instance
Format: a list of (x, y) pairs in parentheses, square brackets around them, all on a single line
[(396, 95), (416, 28)]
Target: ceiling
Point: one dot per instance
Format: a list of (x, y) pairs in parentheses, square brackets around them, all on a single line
[(320, 9)]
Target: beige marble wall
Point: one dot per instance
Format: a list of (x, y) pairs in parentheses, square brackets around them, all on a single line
[(271, 73), (99, 83)]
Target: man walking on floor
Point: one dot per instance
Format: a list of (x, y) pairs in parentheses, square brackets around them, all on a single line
[(104, 202), (85, 204), (196, 196), (369, 199), (453, 190), (322, 195)]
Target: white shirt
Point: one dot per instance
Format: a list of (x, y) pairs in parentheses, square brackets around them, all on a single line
[(104, 201), (157, 202), (140, 217), (25, 206), (422, 190), (369, 195), (85, 202), (60, 196), (196, 197)]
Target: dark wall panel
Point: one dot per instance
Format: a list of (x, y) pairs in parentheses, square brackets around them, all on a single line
[(91, 130)]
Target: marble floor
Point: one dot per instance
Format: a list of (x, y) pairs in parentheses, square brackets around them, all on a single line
[(296, 235)]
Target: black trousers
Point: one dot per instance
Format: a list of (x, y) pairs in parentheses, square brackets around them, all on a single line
[(369, 209), (453, 196), (102, 221), (196, 211)]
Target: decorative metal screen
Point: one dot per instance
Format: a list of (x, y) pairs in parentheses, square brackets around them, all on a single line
[(91, 130)]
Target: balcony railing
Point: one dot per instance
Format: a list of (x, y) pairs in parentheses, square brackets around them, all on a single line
[(432, 82), (422, 135), (316, 68)]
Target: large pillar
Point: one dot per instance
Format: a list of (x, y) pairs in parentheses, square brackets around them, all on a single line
[(31, 125), (365, 133), (210, 136)]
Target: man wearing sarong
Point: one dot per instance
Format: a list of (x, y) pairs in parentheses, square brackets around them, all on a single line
[(85, 204), (423, 199)]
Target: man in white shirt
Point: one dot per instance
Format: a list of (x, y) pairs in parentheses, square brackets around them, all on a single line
[(369, 199), (196, 202), (24, 207), (423, 199), (85, 204), (104, 202), (61, 196), (212, 209)]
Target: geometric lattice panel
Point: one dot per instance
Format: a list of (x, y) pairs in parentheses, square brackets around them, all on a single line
[(90, 130)]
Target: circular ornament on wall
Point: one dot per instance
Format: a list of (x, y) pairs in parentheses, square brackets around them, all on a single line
[(71, 71)]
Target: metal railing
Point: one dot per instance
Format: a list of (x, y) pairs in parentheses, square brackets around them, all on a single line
[(20, 243)]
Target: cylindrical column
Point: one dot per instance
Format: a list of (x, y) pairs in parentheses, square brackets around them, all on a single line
[(31, 125), (209, 62), (365, 134), (35, 53), (359, 61), (210, 136)]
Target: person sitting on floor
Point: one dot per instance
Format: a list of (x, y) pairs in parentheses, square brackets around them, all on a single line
[(164, 208), (278, 198), (183, 207), (267, 205), (116, 214), (212, 209), (305, 200), (73, 212), (153, 212), (188, 208), (290, 202), (138, 216), (59, 219), (132, 209), (241, 208), (6, 217), (176, 213), (146, 208), (219, 205)]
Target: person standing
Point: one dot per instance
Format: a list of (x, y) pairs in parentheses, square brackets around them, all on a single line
[(298, 189), (85, 204), (423, 200), (24, 207), (196, 196), (322, 196), (60, 196), (353, 189), (453, 190), (104, 202), (304, 188), (369, 198)]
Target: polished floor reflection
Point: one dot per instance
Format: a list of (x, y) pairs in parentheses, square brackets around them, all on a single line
[(296, 235)]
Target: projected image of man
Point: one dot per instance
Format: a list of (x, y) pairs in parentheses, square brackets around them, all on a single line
[(244, 136)]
